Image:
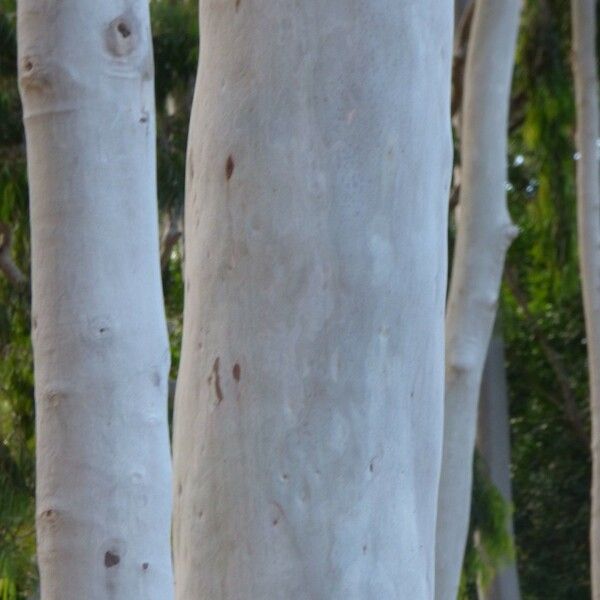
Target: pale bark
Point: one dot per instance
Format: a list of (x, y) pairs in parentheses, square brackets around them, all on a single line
[(308, 415), (588, 224), (484, 231), (99, 336), (493, 443)]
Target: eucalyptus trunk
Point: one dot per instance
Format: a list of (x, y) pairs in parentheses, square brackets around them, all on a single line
[(484, 232), (493, 443), (308, 415), (585, 69), (99, 337)]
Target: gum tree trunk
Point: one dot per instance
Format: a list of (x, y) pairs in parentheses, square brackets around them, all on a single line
[(585, 69), (308, 414), (493, 443), (484, 232), (100, 345)]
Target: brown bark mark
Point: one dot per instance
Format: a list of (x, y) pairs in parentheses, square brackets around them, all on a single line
[(229, 166), (215, 372), (111, 559)]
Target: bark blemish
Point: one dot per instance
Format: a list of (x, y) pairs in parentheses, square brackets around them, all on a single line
[(374, 465), (229, 166), (215, 372), (123, 29), (279, 514), (48, 515), (54, 398), (156, 379), (236, 371), (111, 559), (34, 73), (119, 37)]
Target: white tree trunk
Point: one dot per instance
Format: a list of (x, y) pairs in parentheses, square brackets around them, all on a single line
[(308, 420), (588, 217), (493, 443), (99, 335), (484, 231)]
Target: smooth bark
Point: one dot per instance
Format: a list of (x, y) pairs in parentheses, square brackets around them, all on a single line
[(100, 345), (585, 68), (484, 232), (308, 415), (493, 443)]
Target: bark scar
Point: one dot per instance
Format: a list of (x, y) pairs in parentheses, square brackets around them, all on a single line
[(111, 559), (215, 372)]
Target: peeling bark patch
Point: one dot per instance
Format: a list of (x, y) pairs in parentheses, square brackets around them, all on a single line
[(229, 166), (236, 372), (111, 559)]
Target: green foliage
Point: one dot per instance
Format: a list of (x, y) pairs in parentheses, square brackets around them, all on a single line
[(490, 546)]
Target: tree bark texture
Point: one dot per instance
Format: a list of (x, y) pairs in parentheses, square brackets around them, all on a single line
[(308, 414), (100, 343)]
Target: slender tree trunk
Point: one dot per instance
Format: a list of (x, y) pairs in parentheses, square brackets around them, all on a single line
[(100, 345), (585, 67), (309, 402), (493, 443), (484, 233)]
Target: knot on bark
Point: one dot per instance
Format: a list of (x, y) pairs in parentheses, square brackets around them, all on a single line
[(122, 35), (34, 73)]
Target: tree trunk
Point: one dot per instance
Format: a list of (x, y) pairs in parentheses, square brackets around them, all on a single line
[(588, 219), (484, 232), (99, 336), (308, 415), (493, 443)]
